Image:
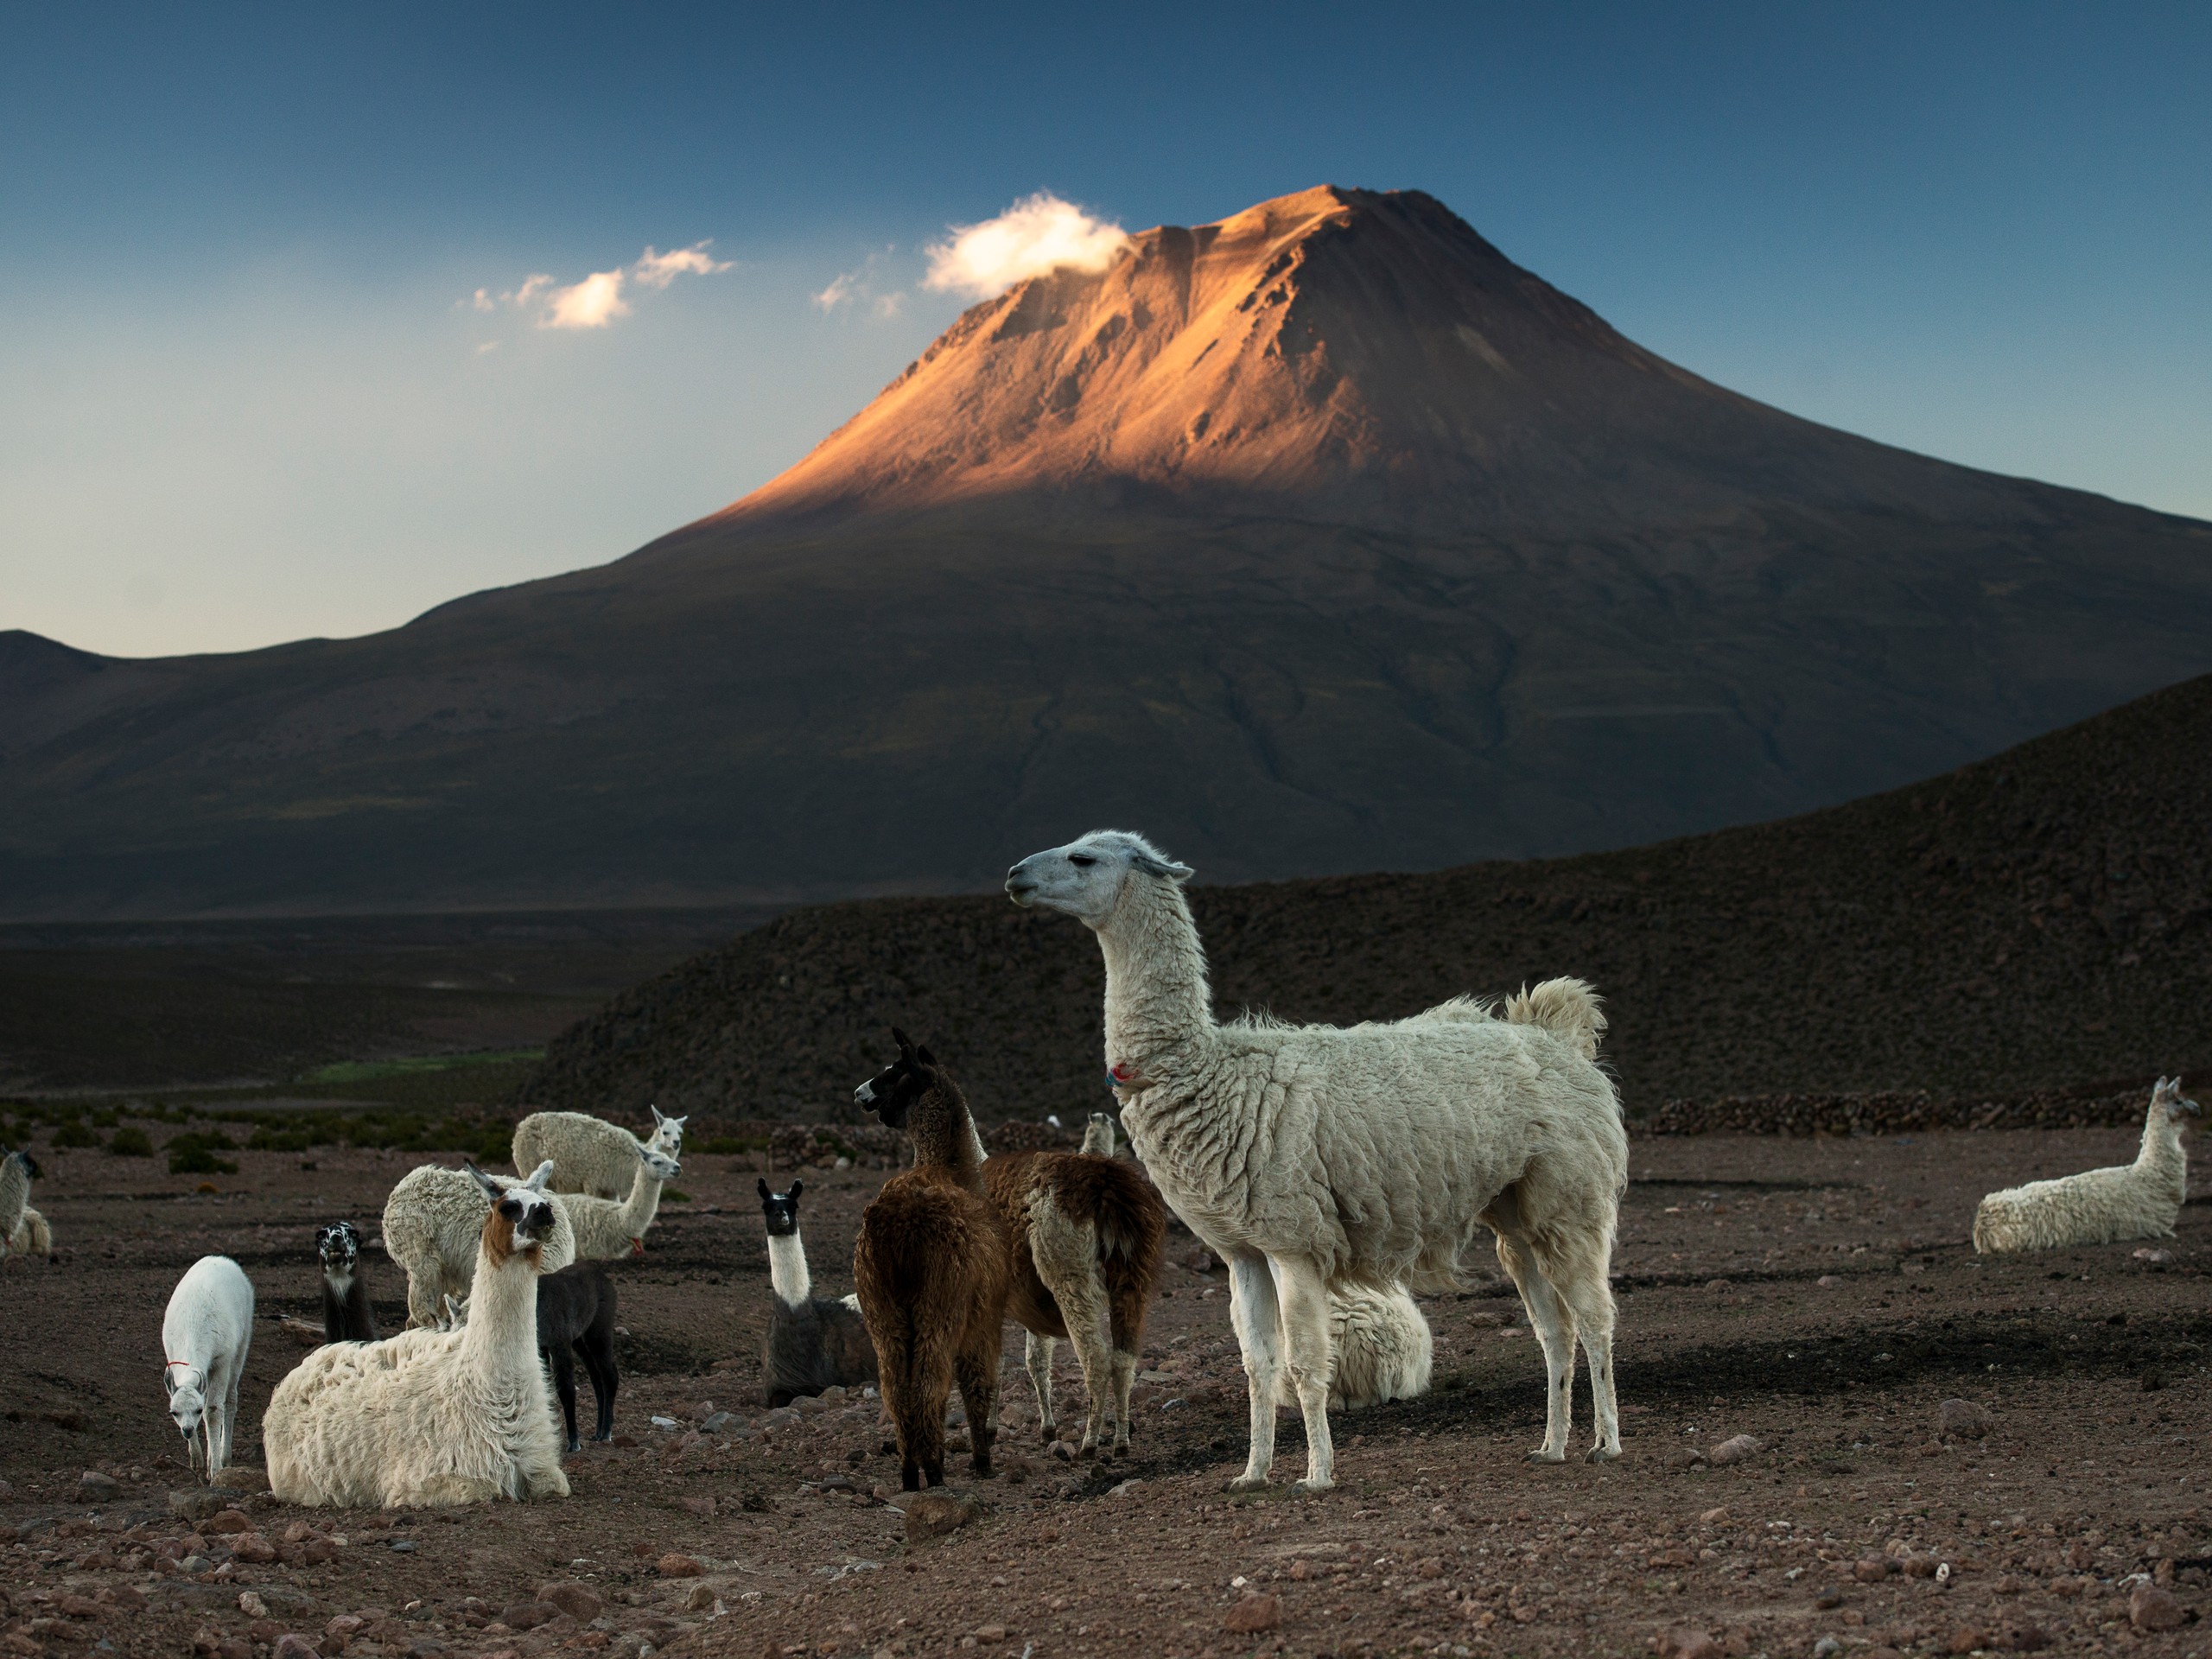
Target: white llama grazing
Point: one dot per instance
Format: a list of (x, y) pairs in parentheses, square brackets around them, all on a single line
[(2137, 1201), (17, 1169), (1306, 1156), (430, 1418), (1380, 1348), (204, 1337), (589, 1154)]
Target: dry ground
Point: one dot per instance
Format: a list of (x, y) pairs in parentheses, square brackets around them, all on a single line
[(1815, 1294)]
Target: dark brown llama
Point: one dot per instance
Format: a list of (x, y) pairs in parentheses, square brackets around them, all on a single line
[(930, 1269), (1085, 1232)]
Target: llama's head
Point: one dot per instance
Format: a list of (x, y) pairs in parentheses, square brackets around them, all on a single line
[(25, 1162), (1099, 1139), (522, 1218), (891, 1093), (662, 1164), (1085, 877), (2167, 1098), (456, 1314), (188, 1405), (668, 1132), (780, 1210), (338, 1244)]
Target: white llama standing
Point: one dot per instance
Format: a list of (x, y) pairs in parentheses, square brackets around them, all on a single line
[(430, 1418), (2137, 1201), (1307, 1155), (205, 1335)]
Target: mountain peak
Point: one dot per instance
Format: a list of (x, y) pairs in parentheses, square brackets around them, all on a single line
[(1357, 355)]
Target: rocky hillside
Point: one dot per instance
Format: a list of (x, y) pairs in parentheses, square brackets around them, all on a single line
[(2038, 923)]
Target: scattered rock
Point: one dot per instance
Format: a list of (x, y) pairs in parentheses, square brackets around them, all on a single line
[(1919, 1566), (579, 1601), (1253, 1614), (93, 1487), (932, 1515), (702, 1599), (1715, 1517), (1962, 1418), (1734, 1449), (252, 1605), (1062, 1451), (2026, 1638), (990, 1634), (1124, 1489), (226, 1521), (1828, 1281), (2153, 1609), (701, 1507), (1687, 1644), (1826, 1648), (1827, 1599), (672, 1566), (527, 1614), (1872, 1570), (1966, 1640), (195, 1503), (341, 1629), (251, 1546), (291, 1645), (2156, 1258), (239, 1478)]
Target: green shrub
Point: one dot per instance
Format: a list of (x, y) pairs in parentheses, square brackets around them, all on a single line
[(195, 1155), (131, 1141), (74, 1133), (670, 1195)]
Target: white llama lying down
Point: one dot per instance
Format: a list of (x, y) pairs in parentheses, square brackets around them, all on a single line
[(2137, 1201), (589, 1154), (205, 1335), (1380, 1348), (431, 1418), (1309, 1156)]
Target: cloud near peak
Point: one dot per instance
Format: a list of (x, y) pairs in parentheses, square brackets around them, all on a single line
[(1038, 233), (596, 301)]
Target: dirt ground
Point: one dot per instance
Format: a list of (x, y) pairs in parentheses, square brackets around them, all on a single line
[(1818, 1295)]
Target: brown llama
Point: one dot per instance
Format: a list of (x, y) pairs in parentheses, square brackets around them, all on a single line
[(930, 1269), (1086, 1232)]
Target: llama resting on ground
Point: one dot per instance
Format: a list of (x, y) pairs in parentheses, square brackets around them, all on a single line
[(1084, 1234), (347, 1315), (589, 1154), (813, 1343), (1307, 1156), (931, 1268), (1380, 1348), (16, 1171), (2137, 1201), (205, 1335), (428, 1417)]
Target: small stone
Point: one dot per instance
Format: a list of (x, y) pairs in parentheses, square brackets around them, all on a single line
[(1826, 1648), (527, 1614), (252, 1605), (1734, 1449), (1919, 1566), (1062, 1451), (701, 1600), (290, 1645), (932, 1515), (226, 1521), (1966, 1640), (253, 1547), (93, 1487), (1253, 1614), (195, 1503), (580, 1602), (1683, 1457), (1962, 1418), (1872, 1570), (2153, 1609), (672, 1566), (1124, 1489), (2027, 1639), (1687, 1644), (1715, 1517), (239, 1478), (1828, 1281), (987, 1634), (2156, 1258), (701, 1507), (341, 1628), (1827, 1599)]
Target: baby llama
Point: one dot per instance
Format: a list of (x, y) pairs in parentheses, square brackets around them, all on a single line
[(431, 1418), (813, 1343), (589, 1154), (2137, 1201), (930, 1265), (18, 1230), (205, 1335), (1083, 1237), (1309, 1156)]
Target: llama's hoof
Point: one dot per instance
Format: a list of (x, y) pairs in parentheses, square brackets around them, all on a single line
[(1310, 1485), (1247, 1483), (1602, 1454), (1541, 1455)]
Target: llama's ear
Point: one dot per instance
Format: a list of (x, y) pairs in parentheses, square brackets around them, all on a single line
[(905, 1043), (484, 1181), (539, 1176), (765, 1193), (798, 1187), (923, 1056), (1167, 868), (657, 1119)]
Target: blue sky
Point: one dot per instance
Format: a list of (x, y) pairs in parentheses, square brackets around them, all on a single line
[(246, 394)]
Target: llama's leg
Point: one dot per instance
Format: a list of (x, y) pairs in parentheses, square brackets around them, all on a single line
[(1066, 1251), (564, 1384), (1128, 1340), (978, 1370), (1305, 1300), (424, 1286), (920, 1412), (1581, 1269), (1253, 1312), (230, 1414), (1037, 1360), (1554, 1327), (604, 1382)]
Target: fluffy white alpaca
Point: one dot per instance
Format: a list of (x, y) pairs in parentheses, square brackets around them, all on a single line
[(589, 1154), (434, 1227), (1380, 1348), (17, 1169), (1307, 1156), (2137, 1201), (430, 1418), (205, 1335)]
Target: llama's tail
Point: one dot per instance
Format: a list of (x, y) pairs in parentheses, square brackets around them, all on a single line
[(1566, 1007), (34, 1229)]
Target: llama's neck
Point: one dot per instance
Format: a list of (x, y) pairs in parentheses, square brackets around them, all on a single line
[(15, 1188), (944, 1135), (2162, 1153), (643, 1202), (1158, 1005), (787, 1270), (501, 1335)]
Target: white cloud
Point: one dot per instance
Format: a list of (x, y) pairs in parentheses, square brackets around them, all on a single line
[(598, 300), (845, 288), (593, 303), (1037, 234)]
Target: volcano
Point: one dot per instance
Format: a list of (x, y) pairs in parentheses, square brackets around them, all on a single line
[(1325, 538)]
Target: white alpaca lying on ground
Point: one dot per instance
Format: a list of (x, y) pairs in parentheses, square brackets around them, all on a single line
[(590, 1155), (434, 1417), (205, 1335), (1310, 1156), (2137, 1201)]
